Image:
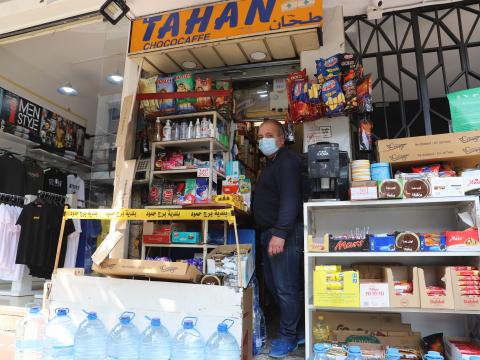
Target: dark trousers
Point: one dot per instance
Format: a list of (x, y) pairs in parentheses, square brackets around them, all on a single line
[(283, 274)]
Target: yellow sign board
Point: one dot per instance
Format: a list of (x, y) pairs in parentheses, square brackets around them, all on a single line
[(152, 214), (222, 21)]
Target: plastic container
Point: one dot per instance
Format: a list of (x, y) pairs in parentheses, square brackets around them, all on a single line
[(259, 329), (158, 130), (30, 335), (320, 351), (90, 341), (354, 353), (321, 331), (433, 355), (167, 131), (59, 336), (380, 171), (392, 354), (155, 342), (188, 343), (222, 345), (198, 129), (124, 340)]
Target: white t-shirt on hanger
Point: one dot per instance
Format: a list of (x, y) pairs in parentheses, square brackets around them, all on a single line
[(76, 185)]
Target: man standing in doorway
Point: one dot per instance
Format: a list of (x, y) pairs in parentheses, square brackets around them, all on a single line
[(277, 209)]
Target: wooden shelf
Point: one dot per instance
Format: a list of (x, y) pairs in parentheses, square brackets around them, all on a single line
[(192, 145)]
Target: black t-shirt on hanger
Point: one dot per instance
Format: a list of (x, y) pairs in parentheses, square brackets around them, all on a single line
[(12, 180), (55, 181), (34, 177)]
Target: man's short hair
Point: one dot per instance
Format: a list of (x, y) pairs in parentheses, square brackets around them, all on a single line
[(278, 124)]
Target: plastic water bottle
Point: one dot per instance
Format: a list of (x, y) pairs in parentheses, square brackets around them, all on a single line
[(354, 353), (124, 339), (320, 351), (433, 355), (392, 354), (222, 345), (259, 329), (188, 343), (155, 342), (59, 336), (90, 341), (30, 335)]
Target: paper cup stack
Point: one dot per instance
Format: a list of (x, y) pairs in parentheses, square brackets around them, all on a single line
[(360, 170)]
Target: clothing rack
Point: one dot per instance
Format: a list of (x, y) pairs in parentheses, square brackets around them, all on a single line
[(12, 199)]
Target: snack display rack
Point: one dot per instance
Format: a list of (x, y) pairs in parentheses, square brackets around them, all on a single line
[(418, 215)]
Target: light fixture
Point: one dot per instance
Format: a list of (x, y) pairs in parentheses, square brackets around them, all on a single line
[(115, 79), (67, 90), (263, 95), (114, 10), (189, 64), (258, 55), (262, 91)]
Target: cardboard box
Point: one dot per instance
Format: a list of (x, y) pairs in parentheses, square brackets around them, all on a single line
[(365, 321), (394, 338), (435, 276), (433, 242), (363, 190), (319, 244), (373, 286), (463, 302), (453, 352), (185, 237), (471, 182), (462, 149), (347, 296), (466, 240), (248, 263), (399, 273), (174, 271), (446, 186), (160, 234), (390, 189), (382, 242)]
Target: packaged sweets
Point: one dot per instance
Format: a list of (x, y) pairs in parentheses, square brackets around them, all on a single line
[(201, 190), (203, 103), (185, 84), (148, 86), (461, 268), (332, 96), (222, 85), (156, 190), (403, 287), (436, 291), (189, 192), (350, 91), (328, 68), (349, 66), (468, 273), (166, 85), (469, 278), (178, 196), (167, 193), (468, 283), (364, 94)]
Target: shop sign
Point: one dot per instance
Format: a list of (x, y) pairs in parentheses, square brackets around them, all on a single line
[(222, 21)]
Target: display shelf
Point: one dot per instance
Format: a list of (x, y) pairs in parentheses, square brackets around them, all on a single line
[(17, 139), (194, 146), (184, 95), (394, 310), (447, 201), (179, 173), (184, 246), (214, 114), (58, 160), (394, 254)]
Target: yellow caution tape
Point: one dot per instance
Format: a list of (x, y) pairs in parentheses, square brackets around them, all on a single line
[(151, 214)]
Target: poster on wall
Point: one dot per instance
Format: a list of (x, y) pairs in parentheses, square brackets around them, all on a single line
[(8, 112), (27, 119)]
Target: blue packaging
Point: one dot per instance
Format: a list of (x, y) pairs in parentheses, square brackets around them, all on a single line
[(382, 242), (433, 242), (380, 171)]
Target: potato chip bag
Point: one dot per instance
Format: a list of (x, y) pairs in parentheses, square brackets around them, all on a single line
[(149, 86), (332, 96), (203, 103), (185, 83), (166, 85)]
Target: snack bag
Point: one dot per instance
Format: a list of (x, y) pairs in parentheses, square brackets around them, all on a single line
[(148, 86), (365, 129), (168, 193), (364, 94), (189, 192), (203, 103), (350, 91), (332, 96), (178, 196), (222, 85), (156, 190), (349, 66), (185, 84), (329, 68), (296, 95), (166, 85)]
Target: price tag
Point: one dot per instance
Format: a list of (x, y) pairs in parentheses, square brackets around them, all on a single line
[(203, 172)]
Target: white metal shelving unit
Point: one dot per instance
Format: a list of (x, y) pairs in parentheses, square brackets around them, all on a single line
[(383, 216)]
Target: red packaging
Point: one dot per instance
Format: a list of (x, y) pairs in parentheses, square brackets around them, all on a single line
[(427, 169), (468, 283), (468, 273), (462, 240), (469, 278), (468, 288), (436, 291), (403, 287), (460, 268)]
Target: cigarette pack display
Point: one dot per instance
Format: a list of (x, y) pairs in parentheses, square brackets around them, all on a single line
[(466, 240), (390, 189), (348, 245), (382, 242), (433, 242), (398, 274), (436, 289), (407, 241)]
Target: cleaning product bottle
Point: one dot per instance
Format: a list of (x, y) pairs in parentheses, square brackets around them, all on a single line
[(354, 353), (204, 128), (167, 132), (30, 335), (211, 130), (320, 351), (90, 339), (183, 130), (188, 343), (155, 342), (222, 345), (158, 130), (321, 331), (59, 337), (175, 131), (198, 129), (124, 339), (190, 131)]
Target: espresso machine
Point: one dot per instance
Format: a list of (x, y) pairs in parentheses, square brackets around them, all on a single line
[(328, 172)]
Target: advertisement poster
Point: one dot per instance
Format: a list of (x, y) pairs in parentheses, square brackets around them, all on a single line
[(27, 119), (8, 112)]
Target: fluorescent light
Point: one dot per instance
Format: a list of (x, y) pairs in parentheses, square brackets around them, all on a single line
[(189, 64), (262, 91), (114, 10), (258, 55), (263, 95), (67, 90), (115, 79)]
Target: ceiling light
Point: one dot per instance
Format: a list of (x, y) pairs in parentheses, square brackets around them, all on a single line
[(263, 95), (115, 79), (189, 64), (262, 91), (258, 55), (114, 10), (68, 90)]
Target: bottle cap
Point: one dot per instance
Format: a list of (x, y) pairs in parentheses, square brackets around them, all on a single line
[(354, 350), (188, 324), (320, 348), (61, 311), (34, 309), (155, 322), (92, 315), (222, 328), (126, 317)]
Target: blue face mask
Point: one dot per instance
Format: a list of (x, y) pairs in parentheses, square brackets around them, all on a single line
[(268, 146)]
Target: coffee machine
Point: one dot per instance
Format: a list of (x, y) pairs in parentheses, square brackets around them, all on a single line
[(328, 172)]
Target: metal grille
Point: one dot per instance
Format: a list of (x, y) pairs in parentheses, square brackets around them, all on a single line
[(416, 57)]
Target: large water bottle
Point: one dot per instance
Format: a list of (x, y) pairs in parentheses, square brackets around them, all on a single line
[(259, 328), (59, 336), (320, 351), (433, 355), (354, 353), (90, 339), (124, 339), (156, 341), (222, 345), (30, 335), (188, 343), (392, 354)]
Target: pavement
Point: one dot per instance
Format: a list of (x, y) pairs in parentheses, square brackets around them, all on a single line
[(299, 354)]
